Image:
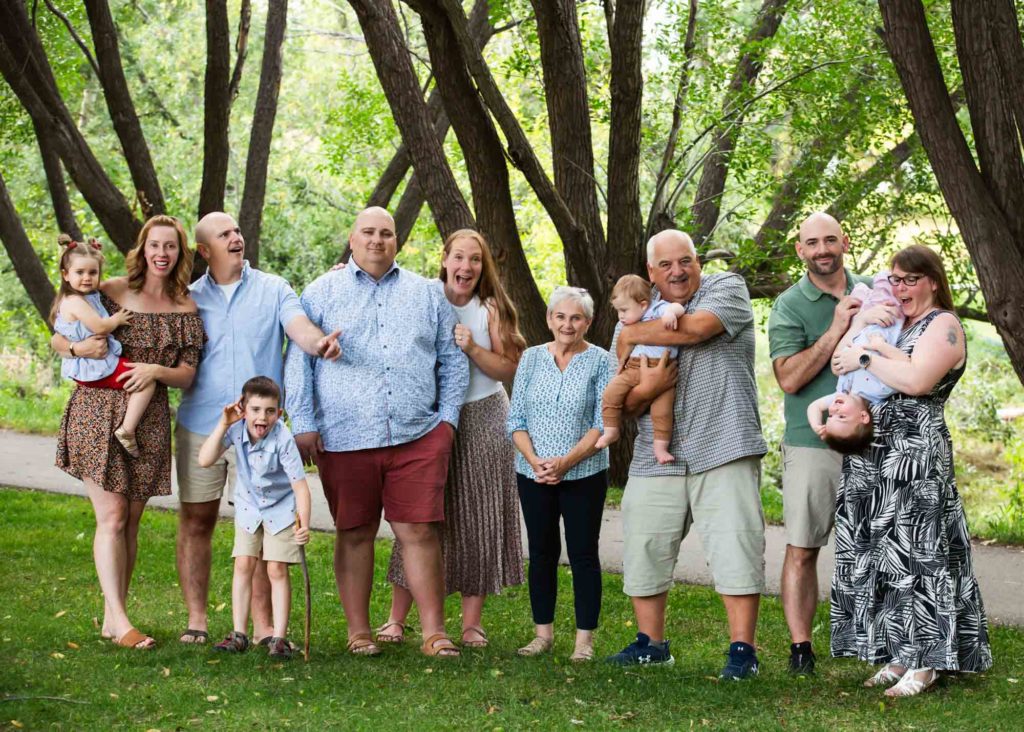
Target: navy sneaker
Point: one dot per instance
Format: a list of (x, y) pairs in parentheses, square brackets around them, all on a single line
[(801, 661), (742, 662), (641, 653)]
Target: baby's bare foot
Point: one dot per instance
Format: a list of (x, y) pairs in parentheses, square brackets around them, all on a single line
[(661, 453), (609, 436)]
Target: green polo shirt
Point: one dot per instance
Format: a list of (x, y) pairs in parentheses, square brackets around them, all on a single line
[(799, 317)]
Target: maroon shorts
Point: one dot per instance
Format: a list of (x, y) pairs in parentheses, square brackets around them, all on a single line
[(407, 481), (110, 382)]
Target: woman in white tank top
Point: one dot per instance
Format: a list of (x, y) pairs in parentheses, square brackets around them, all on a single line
[(482, 544)]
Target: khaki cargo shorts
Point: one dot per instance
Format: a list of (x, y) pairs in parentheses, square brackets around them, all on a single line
[(810, 478), (724, 504), (279, 547), (196, 484)]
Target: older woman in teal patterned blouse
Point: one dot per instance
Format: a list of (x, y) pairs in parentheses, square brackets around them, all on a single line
[(555, 420)]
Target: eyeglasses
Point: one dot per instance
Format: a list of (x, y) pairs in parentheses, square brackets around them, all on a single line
[(908, 280)]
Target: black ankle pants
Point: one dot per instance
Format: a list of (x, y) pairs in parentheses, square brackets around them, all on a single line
[(580, 504)]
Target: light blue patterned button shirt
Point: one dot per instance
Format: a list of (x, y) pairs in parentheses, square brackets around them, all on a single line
[(400, 373), (558, 407), (245, 338), (266, 471)]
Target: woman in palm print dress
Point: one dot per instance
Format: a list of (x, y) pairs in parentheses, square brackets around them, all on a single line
[(904, 592)]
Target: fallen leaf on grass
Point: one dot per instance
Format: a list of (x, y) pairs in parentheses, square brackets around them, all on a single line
[(212, 698), (212, 661), (16, 723), (287, 678), (165, 672), (492, 710), (220, 607), (114, 696), (73, 645), (576, 721), (428, 670), (1012, 681), (496, 672), (988, 542), (626, 716), (61, 614), (57, 655)]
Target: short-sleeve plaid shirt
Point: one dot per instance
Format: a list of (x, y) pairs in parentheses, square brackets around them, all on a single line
[(716, 417)]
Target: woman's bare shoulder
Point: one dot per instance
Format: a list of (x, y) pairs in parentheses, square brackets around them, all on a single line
[(114, 287)]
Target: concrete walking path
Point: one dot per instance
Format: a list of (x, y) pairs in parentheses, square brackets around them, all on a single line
[(26, 461)]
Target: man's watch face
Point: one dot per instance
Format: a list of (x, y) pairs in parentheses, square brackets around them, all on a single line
[(865, 359)]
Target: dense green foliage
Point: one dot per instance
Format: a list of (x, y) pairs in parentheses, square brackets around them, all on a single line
[(59, 675)]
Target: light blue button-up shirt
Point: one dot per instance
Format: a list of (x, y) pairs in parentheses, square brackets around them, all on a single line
[(556, 408), (266, 471), (245, 338), (400, 372)]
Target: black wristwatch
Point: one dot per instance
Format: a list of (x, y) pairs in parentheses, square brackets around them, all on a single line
[(71, 350), (865, 360)]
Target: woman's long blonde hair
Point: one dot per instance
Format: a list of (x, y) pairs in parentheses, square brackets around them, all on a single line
[(490, 290), (176, 285)]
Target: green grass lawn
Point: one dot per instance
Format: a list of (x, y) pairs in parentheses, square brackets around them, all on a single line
[(57, 674)]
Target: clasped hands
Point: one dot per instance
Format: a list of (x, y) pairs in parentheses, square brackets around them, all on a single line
[(550, 470)]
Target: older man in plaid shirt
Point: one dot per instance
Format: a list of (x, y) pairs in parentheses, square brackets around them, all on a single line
[(714, 480)]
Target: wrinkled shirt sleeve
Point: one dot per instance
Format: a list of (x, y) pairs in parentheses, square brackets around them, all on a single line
[(453, 364)]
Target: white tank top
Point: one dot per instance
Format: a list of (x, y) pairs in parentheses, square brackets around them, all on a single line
[(474, 315)]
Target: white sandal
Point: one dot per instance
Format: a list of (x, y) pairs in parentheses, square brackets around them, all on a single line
[(886, 676), (911, 685)]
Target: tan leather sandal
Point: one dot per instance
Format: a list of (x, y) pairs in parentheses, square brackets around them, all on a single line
[(136, 640), (361, 644), (382, 637), (582, 653), (440, 645), (536, 647)]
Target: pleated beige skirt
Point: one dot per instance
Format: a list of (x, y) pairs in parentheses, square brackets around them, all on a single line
[(483, 549)]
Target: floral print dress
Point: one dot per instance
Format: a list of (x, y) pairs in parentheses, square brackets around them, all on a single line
[(85, 445)]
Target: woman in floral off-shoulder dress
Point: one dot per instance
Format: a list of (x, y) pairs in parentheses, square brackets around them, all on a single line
[(163, 342)]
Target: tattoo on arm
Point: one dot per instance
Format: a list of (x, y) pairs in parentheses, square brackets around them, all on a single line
[(951, 335)]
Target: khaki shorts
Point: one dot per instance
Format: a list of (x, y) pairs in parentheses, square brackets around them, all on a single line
[(724, 504), (810, 477), (196, 484), (279, 547)]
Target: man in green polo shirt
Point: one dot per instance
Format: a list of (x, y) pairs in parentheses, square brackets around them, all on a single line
[(806, 323)]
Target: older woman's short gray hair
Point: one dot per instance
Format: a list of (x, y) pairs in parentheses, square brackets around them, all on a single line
[(577, 294)]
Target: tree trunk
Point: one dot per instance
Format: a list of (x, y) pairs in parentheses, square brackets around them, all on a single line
[(216, 108), (62, 210), (625, 222), (485, 163), (565, 92), (241, 50), (708, 200), (24, 258), (122, 109), (250, 216), (26, 69), (394, 68), (989, 231)]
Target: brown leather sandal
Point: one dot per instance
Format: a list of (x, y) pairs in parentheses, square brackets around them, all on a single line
[(382, 637), (440, 645), (133, 638), (361, 644), (482, 643)]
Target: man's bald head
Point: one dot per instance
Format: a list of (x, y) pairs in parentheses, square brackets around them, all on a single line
[(211, 224), (373, 212), (817, 222), (821, 244), (668, 236)]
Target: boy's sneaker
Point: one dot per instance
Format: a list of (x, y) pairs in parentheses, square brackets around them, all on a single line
[(641, 653), (801, 661), (742, 662)]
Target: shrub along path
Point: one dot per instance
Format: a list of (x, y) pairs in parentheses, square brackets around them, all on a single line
[(26, 461)]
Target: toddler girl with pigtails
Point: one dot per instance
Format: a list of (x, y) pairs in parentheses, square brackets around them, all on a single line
[(77, 314)]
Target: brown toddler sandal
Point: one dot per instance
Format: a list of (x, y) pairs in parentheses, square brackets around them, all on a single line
[(440, 645), (362, 645), (127, 441), (482, 643), (383, 637)]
